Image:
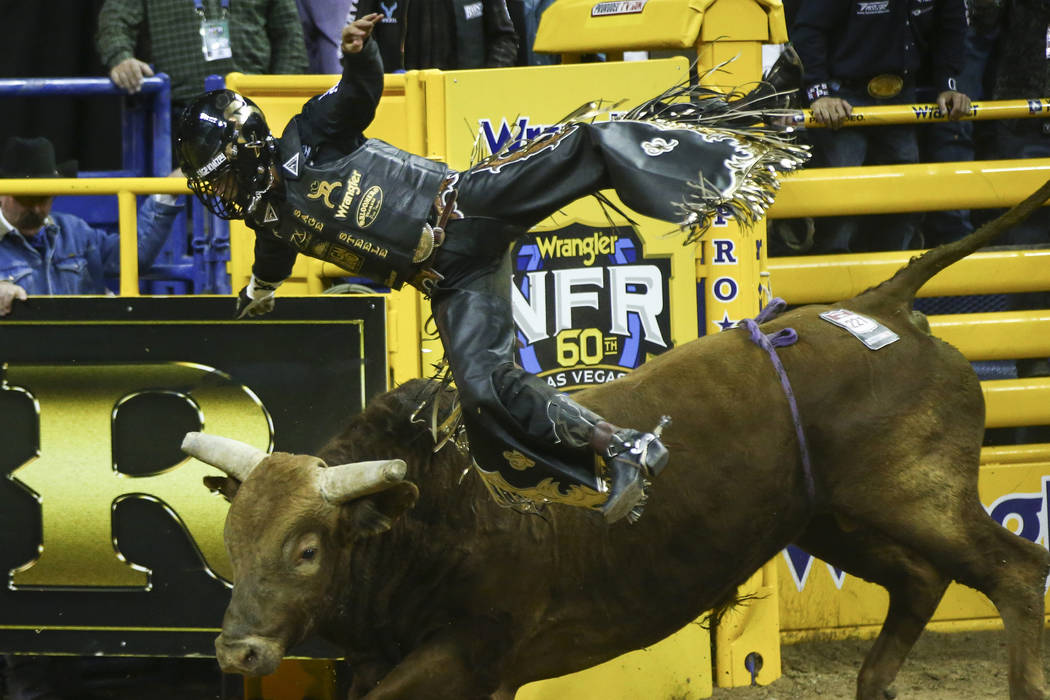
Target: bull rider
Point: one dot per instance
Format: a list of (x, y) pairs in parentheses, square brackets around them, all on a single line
[(324, 190)]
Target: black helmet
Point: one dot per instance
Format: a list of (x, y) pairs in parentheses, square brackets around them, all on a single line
[(225, 150)]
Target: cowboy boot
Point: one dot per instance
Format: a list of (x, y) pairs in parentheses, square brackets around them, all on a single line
[(630, 456), (631, 459)]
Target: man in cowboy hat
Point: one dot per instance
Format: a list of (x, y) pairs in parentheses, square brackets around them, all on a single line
[(46, 253)]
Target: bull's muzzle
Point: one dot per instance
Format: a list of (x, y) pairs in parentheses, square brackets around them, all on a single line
[(250, 656)]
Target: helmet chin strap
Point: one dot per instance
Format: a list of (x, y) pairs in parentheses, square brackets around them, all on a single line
[(271, 183), (268, 144)]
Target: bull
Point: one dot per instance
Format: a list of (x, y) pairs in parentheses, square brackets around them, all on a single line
[(400, 556)]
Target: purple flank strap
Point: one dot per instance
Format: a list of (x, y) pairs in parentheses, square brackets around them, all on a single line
[(785, 336), (774, 308)]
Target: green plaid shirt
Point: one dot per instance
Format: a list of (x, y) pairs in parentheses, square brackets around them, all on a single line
[(265, 36)]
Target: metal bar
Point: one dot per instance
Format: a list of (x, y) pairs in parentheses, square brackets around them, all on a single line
[(47, 87), (1011, 403), (1016, 454), (214, 82), (136, 135), (827, 278), (200, 245), (929, 114), (161, 139), (129, 244), (996, 335), (94, 185), (886, 189), (281, 86)]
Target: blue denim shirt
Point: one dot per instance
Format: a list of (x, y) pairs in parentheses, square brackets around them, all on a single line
[(77, 257)]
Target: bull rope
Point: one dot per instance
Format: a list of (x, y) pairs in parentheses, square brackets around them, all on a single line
[(770, 342)]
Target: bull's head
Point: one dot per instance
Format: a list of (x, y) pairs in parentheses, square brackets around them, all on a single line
[(289, 534)]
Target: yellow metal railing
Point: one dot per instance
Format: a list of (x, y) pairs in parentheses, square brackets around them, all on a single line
[(995, 335), (927, 113), (125, 189), (1015, 402), (825, 278), (1016, 454), (882, 189)]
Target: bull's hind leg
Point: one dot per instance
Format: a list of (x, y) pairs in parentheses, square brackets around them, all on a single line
[(914, 585), (950, 529), (1012, 573)]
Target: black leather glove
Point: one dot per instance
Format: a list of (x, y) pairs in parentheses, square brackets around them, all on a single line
[(255, 299)]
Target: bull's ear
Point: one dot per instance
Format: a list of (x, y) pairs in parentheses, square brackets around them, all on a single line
[(226, 485), (375, 514)]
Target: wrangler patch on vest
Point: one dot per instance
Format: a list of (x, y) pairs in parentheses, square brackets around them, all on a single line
[(353, 188)]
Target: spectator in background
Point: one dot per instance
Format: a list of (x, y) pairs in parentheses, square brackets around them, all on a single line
[(192, 40), (445, 34), (872, 53), (323, 22), (52, 253)]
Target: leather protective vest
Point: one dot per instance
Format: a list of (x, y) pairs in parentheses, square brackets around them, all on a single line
[(364, 212)]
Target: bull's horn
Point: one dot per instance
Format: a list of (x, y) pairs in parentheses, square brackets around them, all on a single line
[(348, 481), (232, 456)]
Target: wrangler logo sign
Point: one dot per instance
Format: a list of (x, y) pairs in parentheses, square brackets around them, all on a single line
[(353, 188), (589, 306)]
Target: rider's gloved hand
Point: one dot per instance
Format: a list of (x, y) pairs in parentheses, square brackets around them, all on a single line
[(256, 298)]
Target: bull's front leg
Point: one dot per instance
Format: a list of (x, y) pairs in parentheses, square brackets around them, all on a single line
[(454, 665)]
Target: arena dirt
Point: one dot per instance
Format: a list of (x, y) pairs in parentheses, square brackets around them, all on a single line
[(959, 666)]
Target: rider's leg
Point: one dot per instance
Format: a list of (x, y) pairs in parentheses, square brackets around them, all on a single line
[(520, 425)]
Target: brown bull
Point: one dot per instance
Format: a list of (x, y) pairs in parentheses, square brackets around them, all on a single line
[(436, 592)]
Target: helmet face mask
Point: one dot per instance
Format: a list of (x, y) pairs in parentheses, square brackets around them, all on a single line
[(226, 151)]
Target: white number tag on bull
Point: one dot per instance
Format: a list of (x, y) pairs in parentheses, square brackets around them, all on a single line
[(867, 330)]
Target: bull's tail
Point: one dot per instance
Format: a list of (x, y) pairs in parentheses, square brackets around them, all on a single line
[(903, 286)]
